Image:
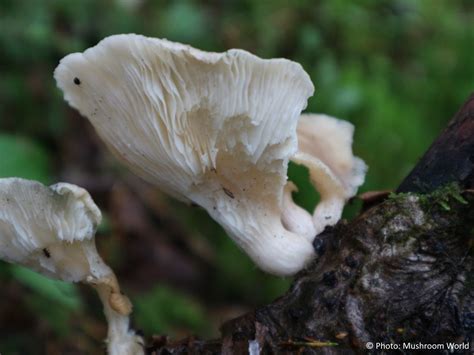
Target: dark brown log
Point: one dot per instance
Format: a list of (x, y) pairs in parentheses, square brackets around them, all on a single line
[(400, 273)]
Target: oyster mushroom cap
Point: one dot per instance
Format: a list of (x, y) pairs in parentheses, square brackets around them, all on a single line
[(217, 129), (325, 148), (51, 230)]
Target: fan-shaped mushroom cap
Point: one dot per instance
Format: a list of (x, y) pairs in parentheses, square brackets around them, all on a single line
[(51, 230), (217, 129), (325, 147)]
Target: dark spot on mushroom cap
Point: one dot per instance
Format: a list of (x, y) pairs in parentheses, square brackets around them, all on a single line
[(46, 253), (77, 81), (228, 192)]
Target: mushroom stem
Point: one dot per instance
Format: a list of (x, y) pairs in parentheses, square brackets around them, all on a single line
[(121, 340), (117, 307), (329, 209), (325, 148), (295, 218)]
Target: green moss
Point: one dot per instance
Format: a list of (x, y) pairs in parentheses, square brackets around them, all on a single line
[(399, 196), (441, 200), (443, 197)]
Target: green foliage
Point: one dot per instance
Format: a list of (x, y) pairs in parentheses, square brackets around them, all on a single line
[(46, 292), (59, 292), (168, 311), (306, 196), (22, 157), (184, 21)]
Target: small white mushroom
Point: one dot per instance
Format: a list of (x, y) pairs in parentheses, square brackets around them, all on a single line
[(51, 230), (325, 147), (216, 129)]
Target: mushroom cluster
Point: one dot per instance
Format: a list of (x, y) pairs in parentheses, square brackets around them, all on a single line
[(218, 130), (51, 230), (214, 129)]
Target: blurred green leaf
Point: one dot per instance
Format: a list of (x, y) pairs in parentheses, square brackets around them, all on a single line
[(52, 301), (22, 157), (166, 310), (61, 293), (185, 22)]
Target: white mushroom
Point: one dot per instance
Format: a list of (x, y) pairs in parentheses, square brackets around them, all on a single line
[(217, 129), (51, 230), (325, 147)]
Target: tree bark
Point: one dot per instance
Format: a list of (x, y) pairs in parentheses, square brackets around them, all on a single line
[(400, 274)]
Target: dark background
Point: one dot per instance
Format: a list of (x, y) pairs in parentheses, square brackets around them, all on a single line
[(396, 69)]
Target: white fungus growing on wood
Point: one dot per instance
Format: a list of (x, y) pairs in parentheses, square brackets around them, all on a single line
[(325, 147), (214, 129)]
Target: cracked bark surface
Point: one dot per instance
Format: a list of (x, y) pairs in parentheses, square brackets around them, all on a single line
[(402, 271)]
